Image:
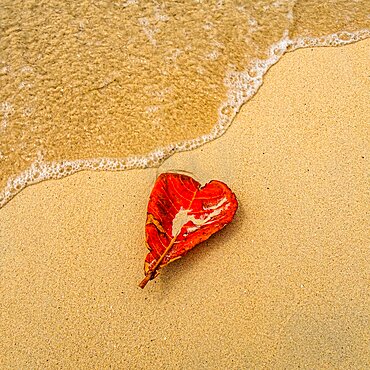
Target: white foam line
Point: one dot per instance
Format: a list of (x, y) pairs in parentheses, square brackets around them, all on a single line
[(242, 86)]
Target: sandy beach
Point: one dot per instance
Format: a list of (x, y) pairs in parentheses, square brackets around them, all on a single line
[(284, 286)]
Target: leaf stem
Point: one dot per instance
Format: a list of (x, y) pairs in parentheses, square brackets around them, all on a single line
[(150, 273)]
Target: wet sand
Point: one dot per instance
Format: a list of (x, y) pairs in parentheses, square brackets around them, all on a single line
[(120, 85), (285, 285)]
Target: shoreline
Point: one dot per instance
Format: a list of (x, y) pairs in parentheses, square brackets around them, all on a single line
[(239, 84), (283, 284)]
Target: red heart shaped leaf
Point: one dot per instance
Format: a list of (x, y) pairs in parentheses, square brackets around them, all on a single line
[(181, 214)]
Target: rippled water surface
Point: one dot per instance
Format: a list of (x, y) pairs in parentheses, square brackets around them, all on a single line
[(115, 85)]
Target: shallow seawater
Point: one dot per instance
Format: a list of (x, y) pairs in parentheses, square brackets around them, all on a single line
[(117, 85)]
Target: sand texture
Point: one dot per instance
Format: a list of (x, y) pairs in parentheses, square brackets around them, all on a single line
[(284, 286)]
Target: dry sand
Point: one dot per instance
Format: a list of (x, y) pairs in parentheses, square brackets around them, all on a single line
[(284, 286)]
